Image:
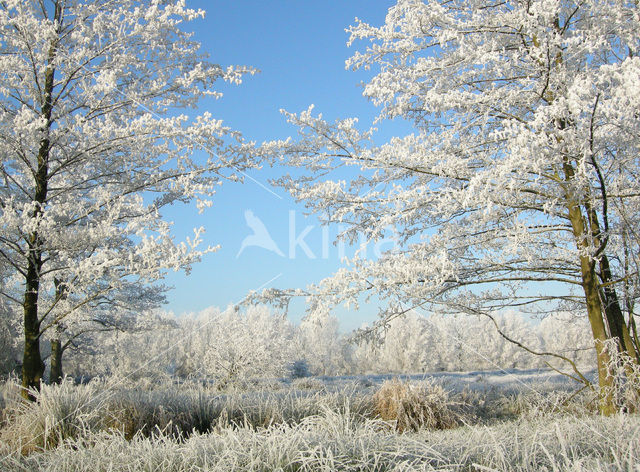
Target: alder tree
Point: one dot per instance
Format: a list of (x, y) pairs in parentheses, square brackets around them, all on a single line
[(518, 185), (94, 143)]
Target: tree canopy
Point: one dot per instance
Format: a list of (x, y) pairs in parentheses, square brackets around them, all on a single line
[(518, 186), (92, 146)]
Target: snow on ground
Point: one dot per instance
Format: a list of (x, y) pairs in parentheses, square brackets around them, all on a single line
[(506, 381)]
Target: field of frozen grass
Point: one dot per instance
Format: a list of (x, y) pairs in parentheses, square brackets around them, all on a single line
[(504, 380), (480, 421)]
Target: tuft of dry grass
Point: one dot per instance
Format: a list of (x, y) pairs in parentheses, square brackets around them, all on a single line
[(341, 439), (70, 412), (66, 412), (413, 407)]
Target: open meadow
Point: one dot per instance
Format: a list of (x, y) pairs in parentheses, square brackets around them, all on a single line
[(479, 421), (436, 268)]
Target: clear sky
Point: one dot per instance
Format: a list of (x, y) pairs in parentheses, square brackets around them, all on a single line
[(300, 48)]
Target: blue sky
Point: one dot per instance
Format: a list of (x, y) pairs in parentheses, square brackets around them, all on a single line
[(299, 46)]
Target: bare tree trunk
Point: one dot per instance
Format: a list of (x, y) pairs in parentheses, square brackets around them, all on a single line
[(595, 311), (32, 365), (615, 318), (55, 375)]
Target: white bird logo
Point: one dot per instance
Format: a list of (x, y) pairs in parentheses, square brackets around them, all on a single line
[(260, 237)]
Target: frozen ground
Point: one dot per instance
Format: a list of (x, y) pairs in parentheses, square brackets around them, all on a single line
[(507, 380), (516, 420)]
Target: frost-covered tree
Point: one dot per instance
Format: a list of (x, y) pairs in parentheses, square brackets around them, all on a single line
[(9, 331), (567, 334), (519, 185), (414, 343), (406, 347), (232, 345), (507, 354), (92, 147), (145, 351), (72, 331), (224, 346), (323, 346), (458, 342), (9, 342)]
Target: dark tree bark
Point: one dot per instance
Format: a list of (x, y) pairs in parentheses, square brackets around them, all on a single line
[(56, 374), (32, 364), (615, 318)]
